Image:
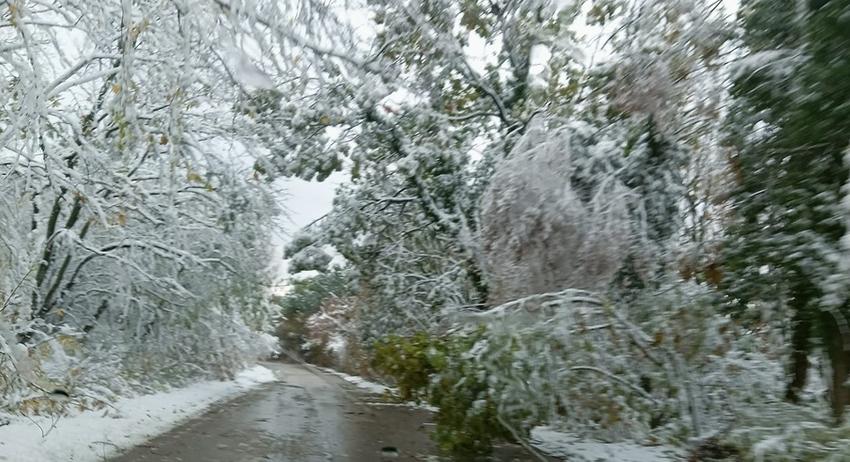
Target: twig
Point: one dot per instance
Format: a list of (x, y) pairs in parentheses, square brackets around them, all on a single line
[(12, 294), (520, 440), (613, 377)]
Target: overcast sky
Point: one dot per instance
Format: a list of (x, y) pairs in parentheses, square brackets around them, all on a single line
[(303, 202)]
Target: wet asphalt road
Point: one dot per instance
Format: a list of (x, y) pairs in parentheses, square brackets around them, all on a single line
[(308, 416)]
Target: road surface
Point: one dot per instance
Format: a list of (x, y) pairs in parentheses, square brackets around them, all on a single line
[(308, 416)]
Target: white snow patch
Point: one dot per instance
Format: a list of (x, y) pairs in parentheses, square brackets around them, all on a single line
[(408, 404), (96, 435), (360, 382), (246, 72), (269, 346), (254, 376), (774, 444), (538, 67), (377, 388), (778, 63), (336, 344), (366, 385), (563, 445)]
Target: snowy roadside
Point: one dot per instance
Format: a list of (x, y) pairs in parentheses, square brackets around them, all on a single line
[(96, 435), (375, 388), (563, 445), (359, 382)]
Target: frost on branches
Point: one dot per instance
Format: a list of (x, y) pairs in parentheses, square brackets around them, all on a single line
[(134, 212), (544, 227)]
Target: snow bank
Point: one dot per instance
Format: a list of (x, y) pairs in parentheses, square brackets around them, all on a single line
[(566, 446), (360, 382), (255, 375), (379, 389), (95, 435), (364, 384), (269, 346)]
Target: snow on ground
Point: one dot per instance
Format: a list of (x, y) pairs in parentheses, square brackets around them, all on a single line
[(376, 388), (364, 384), (360, 382), (563, 445), (95, 435), (255, 376)]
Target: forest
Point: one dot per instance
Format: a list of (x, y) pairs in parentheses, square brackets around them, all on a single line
[(624, 219)]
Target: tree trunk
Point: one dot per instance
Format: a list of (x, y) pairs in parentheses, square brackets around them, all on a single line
[(836, 344), (800, 348)]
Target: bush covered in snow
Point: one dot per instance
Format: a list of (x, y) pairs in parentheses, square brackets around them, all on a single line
[(441, 372)]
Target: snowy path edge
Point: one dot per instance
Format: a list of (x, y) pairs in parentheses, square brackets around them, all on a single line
[(96, 435)]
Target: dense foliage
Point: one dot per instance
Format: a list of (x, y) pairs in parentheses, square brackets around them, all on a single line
[(790, 145), (623, 218)]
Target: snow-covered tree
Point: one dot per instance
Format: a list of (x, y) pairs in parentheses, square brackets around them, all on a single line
[(448, 89), (546, 224), (789, 131), (135, 217)]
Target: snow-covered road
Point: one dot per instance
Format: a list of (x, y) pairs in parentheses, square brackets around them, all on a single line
[(307, 416)]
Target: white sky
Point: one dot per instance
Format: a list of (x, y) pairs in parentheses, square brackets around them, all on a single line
[(303, 202)]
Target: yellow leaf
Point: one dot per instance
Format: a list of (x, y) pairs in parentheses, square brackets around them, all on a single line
[(658, 338), (116, 88), (68, 342)]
